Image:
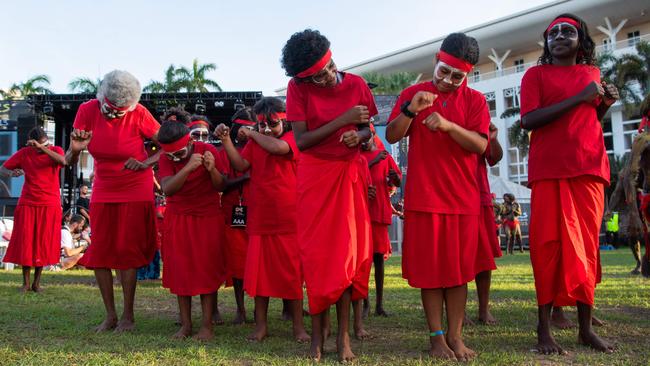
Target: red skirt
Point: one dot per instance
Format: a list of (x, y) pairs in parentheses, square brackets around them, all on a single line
[(192, 253), (439, 250), (381, 240), (565, 223), (123, 235), (333, 229), (236, 248), (273, 267), (488, 244), (36, 236)]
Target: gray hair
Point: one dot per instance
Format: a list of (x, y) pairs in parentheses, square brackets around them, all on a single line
[(121, 88)]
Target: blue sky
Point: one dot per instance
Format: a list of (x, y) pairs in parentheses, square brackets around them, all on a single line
[(68, 39)]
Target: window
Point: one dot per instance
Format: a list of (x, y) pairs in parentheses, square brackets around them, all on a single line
[(607, 44), (519, 65), (476, 76), (511, 97), (491, 100), (633, 38)]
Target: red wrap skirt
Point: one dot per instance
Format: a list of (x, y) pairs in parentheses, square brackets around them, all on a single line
[(488, 243), (36, 236)]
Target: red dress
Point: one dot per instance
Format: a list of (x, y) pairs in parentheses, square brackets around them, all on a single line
[(442, 202), (381, 210), (273, 259), (236, 238), (36, 236), (568, 171), (333, 218), (192, 246), (122, 212), (488, 243)]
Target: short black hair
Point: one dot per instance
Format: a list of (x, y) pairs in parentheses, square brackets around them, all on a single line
[(245, 113), (461, 46), (269, 105), (37, 133), (76, 219), (200, 117), (171, 131), (586, 46), (303, 50), (177, 113)]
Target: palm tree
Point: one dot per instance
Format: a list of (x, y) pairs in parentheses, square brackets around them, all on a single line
[(195, 80), (517, 136), (35, 85), (84, 85), (390, 84), (171, 84), (630, 73)]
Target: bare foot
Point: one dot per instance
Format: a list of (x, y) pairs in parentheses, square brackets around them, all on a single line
[(204, 334), (596, 322), (560, 321), (546, 345), (37, 289), (240, 319), (381, 312), (125, 325), (440, 349), (636, 271), (259, 334), (316, 350), (25, 289), (487, 318), (106, 325), (301, 335), (460, 350), (343, 348), (592, 340), (467, 321), (183, 333), (361, 334), (216, 318)]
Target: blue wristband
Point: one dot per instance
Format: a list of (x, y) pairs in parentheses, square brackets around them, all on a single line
[(436, 333)]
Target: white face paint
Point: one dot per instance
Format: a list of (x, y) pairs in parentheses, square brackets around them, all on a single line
[(566, 30), (201, 134), (449, 74)]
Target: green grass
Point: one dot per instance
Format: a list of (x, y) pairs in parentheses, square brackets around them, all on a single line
[(55, 327)]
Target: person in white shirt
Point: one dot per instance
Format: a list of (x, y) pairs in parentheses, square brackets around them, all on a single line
[(70, 254)]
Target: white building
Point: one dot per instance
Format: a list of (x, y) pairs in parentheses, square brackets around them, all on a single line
[(512, 44)]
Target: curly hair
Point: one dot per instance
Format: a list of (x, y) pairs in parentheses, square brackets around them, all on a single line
[(37, 133), (177, 114), (200, 117), (269, 105), (121, 88), (303, 50), (171, 131), (585, 55), (461, 46)]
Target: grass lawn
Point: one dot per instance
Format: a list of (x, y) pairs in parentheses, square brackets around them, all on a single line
[(55, 327)]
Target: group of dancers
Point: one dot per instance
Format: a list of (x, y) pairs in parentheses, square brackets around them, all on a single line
[(298, 195)]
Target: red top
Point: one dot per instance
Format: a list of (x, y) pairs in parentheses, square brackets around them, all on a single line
[(380, 208), (197, 197), (318, 106), (573, 144), (41, 186), (113, 143), (441, 174), (272, 208), (231, 198)]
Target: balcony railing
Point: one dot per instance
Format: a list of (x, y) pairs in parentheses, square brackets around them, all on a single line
[(620, 45)]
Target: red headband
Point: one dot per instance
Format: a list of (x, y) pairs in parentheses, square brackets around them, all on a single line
[(113, 106), (244, 122), (454, 61), (563, 20), (274, 116), (198, 122), (318, 66), (176, 145)]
